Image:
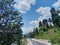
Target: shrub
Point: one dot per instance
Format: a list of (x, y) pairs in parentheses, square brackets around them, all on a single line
[(56, 38)]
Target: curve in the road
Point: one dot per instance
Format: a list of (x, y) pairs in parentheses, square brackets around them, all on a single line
[(36, 43)]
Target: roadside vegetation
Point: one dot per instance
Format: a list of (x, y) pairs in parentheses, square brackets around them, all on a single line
[(49, 28)]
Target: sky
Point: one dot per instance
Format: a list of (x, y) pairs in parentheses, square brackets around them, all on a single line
[(34, 11)]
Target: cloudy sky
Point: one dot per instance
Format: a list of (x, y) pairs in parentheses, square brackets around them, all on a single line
[(34, 11)]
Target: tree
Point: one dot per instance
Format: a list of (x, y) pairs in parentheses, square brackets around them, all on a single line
[(44, 26), (50, 23), (44, 21), (40, 23), (31, 34), (37, 32), (55, 17), (10, 23)]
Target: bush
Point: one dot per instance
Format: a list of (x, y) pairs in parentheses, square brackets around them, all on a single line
[(56, 39), (57, 44)]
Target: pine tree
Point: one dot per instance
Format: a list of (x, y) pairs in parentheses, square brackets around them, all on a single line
[(55, 17), (40, 23), (44, 21)]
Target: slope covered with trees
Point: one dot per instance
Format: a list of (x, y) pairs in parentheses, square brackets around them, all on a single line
[(49, 28)]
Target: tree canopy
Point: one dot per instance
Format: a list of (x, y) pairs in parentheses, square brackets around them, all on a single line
[(10, 23)]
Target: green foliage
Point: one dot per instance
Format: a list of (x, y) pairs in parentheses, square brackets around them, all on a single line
[(52, 34), (10, 23), (56, 38), (57, 44), (31, 34), (40, 24), (55, 17)]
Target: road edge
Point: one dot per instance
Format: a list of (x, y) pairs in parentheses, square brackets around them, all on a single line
[(29, 42), (42, 42)]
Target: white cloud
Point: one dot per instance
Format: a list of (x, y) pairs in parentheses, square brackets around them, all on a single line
[(44, 14), (24, 5), (57, 4), (27, 30), (59, 14), (34, 22)]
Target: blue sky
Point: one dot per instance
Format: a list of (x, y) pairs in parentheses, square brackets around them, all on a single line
[(34, 11), (32, 14)]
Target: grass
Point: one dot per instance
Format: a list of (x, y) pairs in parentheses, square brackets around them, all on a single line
[(53, 35)]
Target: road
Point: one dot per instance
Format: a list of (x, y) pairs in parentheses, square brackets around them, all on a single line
[(36, 43)]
